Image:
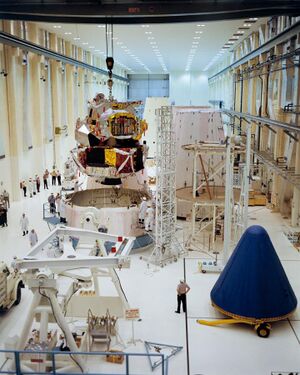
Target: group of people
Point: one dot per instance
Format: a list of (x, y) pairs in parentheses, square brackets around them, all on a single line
[(24, 223), (57, 206), (4, 206), (33, 185)]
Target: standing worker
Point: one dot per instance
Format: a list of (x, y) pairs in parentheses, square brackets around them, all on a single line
[(24, 222), (145, 151), (6, 199), (149, 218), (143, 209), (38, 183), (45, 178), (24, 187), (58, 175), (33, 238), (53, 174), (51, 200), (182, 290), (30, 187)]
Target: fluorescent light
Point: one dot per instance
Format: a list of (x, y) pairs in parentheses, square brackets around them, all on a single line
[(148, 32), (151, 37), (102, 26), (84, 43), (56, 26), (77, 38), (68, 33), (92, 47), (198, 32), (145, 26), (247, 25), (240, 32), (200, 25)]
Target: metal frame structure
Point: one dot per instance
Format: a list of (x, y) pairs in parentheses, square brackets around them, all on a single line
[(166, 246), (43, 268), (241, 218)]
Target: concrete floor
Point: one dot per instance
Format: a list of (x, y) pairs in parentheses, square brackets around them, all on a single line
[(228, 350)]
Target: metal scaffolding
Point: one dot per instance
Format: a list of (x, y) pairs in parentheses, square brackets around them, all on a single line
[(167, 247)]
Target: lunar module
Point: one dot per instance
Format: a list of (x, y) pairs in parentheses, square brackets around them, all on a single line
[(108, 140)]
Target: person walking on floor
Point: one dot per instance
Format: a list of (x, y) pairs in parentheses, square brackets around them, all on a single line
[(53, 174), (33, 238), (45, 179), (24, 222), (38, 183), (58, 175), (182, 290)]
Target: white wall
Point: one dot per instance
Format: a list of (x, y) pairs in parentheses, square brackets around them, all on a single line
[(188, 88)]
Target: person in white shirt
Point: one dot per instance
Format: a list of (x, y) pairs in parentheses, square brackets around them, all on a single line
[(30, 187), (182, 290), (24, 222), (149, 218), (143, 209), (33, 238)]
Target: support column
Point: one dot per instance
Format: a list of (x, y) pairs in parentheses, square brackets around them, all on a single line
[(228, 198)]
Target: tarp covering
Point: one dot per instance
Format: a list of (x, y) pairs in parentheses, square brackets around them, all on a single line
[(253, 283)]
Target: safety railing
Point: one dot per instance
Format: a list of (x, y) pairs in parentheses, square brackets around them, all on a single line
[(28, 362)]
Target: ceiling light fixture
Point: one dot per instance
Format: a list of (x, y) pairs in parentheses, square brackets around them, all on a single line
[(68, 33), (77, 38), (101, 26), (56, 26), (84, 43), (145, 26), (200, 25)]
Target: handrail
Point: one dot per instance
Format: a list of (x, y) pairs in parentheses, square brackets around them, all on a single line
[(18, 370)]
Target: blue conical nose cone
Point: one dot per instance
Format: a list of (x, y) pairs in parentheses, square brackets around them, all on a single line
[(253, 284)]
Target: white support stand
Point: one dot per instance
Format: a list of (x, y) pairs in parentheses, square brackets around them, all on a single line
[(133, 340), (228, 197)]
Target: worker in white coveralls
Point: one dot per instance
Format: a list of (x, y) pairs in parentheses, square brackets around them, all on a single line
[(143, 209), (30, 187), (149, 218), (33, 238), (24, 222)]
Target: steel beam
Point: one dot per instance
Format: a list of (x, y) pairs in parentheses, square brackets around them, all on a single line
[(25, 45), (280, 38), (263, 120)]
